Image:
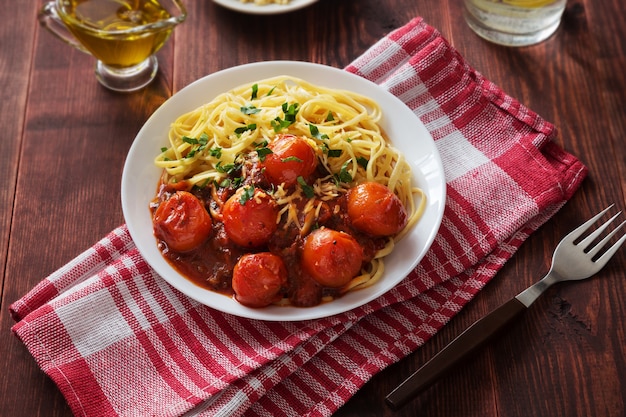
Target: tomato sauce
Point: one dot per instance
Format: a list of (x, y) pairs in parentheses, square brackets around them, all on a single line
[(243, 221), (211, 264)]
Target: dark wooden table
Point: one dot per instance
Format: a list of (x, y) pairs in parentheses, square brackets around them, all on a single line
[(65, 138)]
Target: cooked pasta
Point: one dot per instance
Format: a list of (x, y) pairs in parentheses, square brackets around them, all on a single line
[(341, 126)]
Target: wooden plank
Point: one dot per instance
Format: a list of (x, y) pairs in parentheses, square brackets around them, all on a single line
[(62, 175), (67, 196), (15, 65)]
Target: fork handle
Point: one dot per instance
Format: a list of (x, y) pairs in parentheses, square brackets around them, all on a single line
[(460, 348)]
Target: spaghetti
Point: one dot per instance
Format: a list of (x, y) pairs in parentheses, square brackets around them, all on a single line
[(220, 145)]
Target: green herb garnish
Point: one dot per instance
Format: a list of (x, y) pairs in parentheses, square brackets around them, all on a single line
[(242, 129), (248, 193), (249, 109), (290, 111), (334, 153), (306, 188), (198, 144), (315, 132), (227, 168), (216, 152), (344, 176), (263, 152)]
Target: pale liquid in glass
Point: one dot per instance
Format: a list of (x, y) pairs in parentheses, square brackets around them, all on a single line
[(514, 22)]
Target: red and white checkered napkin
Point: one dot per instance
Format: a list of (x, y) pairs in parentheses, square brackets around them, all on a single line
[(118, 340)]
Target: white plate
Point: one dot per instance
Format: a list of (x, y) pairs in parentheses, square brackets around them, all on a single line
[(266, 8), (404, 129)]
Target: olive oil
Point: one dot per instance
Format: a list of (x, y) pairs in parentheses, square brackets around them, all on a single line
[(119, 33)]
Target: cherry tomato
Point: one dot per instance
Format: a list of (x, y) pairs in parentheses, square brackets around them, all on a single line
[(375, 210), (249, 217), (182, 222), (258, 279), (291, 158), (332, 258), (176, 186)]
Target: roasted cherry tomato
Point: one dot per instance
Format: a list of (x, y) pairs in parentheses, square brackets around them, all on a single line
[(291, 157), (332, 258), (249, 217), (258, 279), (182, 222), (375, 210)]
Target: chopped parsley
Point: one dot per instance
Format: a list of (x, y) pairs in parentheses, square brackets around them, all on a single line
[(248, 193), (202, 140), (242, 129), (343, 175), (334, 153), (216, 152), (255, 91), (237, 181), (306, 188), (290, 111), (231, 182), (198, 144), (315, 132), (227, 168), (278, 124), (263, 152), (249, 109)]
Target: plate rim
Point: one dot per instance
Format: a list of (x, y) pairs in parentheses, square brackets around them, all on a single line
[(266, 9), (430, 167)]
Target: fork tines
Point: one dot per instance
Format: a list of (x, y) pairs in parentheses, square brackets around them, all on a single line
[(598, 252)]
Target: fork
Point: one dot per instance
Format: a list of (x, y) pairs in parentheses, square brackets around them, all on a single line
[(572, 260)]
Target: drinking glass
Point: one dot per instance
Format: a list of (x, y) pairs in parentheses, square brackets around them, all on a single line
[(514, 22)]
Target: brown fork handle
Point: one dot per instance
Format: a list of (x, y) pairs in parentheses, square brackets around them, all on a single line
[(461, 347)]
